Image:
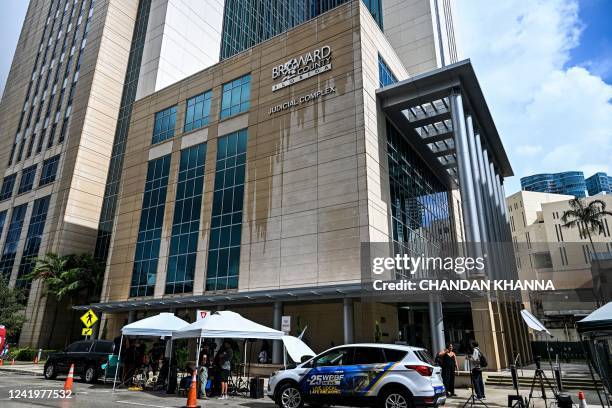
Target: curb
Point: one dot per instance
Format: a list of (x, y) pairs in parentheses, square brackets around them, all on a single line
[(22, 372)]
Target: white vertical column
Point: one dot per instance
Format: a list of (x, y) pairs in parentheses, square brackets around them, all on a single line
[(466, 183), (477, 179), (347, 314)]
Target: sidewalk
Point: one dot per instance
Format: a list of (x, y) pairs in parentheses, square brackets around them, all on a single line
[(22, 367)]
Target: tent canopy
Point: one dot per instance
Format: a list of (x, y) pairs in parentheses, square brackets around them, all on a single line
[(599, 321), (226, 324), (164, 324)]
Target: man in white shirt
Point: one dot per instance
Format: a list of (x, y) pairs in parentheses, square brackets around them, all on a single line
[(479, 389)]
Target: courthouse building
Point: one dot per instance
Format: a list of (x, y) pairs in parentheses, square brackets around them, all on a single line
[(253, 184)]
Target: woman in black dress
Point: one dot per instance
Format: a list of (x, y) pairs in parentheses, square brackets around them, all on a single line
[(448, 362)]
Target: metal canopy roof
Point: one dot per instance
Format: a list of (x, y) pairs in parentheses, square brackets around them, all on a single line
[(419, 108), (290, 294)]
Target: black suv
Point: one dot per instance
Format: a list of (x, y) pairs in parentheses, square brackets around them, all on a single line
[(87, 356)]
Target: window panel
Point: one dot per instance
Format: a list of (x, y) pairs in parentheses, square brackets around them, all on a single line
[(165, 122), (236, 96), (8, 185), (49, 170), (197, 111), (146, 257), (226, 220), (12, 240), (33, 240), (27, 179)]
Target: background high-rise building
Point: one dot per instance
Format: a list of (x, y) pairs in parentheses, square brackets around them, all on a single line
[(568, 182), (64, 116), (599, 183)]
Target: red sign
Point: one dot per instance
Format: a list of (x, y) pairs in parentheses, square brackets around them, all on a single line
[(2, 337), (202, 314)]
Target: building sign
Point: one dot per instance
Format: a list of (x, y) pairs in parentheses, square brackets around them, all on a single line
[(303, 67), (302, 99)]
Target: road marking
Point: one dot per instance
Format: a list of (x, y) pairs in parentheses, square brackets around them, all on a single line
[(142, 405)]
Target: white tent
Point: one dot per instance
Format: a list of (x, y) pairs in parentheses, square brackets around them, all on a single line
[(161, 325), (155, 326), (226, 324)]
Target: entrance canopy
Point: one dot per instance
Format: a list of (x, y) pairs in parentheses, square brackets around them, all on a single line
[(164, 324), (598, 323), (226, 324)]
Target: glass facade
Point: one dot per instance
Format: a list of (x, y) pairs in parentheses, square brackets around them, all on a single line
[(27, 179), (150, 228), (128, 95), (163, 127), (247, 23), (8, 185), (236, 96), (186, 221), (419, 201), (226, 219), (198, 111), (385, 75), (569, 182), (33, 240), (599, 183), (49, 170), (12, 239)]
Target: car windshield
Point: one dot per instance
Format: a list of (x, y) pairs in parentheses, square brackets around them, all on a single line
[(334, 357)]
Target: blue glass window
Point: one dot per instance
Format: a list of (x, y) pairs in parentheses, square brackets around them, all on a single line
[(226, 219), (33, 240), (27, 179), (198, 111), (236, 96), (144, 272), (12, 239), (2, 220), (385, 76), (163, 128), (8, 185), (186, 221), (49, 170)]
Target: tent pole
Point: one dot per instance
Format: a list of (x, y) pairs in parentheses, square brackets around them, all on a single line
[(118, 362), (246, 344), (169, 365)]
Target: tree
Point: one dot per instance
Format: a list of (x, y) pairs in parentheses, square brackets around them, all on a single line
[(11, 309), (588, 218), (72, 278)]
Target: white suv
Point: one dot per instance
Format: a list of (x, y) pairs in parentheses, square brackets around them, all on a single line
[(384, 375)]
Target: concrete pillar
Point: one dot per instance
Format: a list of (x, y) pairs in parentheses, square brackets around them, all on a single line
[(466, 182), (477, 179), (277, 345), (436, 325), (131, 316), (347, 312), (488, 211)]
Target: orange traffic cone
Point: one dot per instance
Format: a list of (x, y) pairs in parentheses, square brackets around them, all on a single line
[(69, 379), (581, 400), (13, 361), (36, 359), (1, 362), (192, 395)]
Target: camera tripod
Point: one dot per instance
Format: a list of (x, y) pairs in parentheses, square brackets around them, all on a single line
[(540, 377)]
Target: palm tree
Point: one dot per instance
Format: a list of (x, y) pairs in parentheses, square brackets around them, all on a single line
[(60, 277), (588, 218)]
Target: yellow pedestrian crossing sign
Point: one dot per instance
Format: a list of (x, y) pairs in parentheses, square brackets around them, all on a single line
[(89, 318), (87, 331)]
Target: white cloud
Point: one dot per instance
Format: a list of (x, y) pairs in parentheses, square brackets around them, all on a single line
[(551, 117)]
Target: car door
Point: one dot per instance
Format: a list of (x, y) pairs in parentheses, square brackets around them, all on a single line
[(326, 382), (370, 366), (79, 356), (62, 362)]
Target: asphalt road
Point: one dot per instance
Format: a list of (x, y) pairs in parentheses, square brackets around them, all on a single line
[(98, 395)]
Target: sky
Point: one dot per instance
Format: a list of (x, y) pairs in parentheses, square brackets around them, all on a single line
[(545, 67)]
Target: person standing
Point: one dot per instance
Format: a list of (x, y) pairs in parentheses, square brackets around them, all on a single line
[(225, 364), (448, 362), (476, 361)]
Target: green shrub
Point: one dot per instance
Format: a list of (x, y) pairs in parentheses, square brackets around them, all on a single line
[(25, 354)]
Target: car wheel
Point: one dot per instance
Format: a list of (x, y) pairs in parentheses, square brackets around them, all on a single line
[(395, 398), (90, 375), (289, 396), (50, 372)]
